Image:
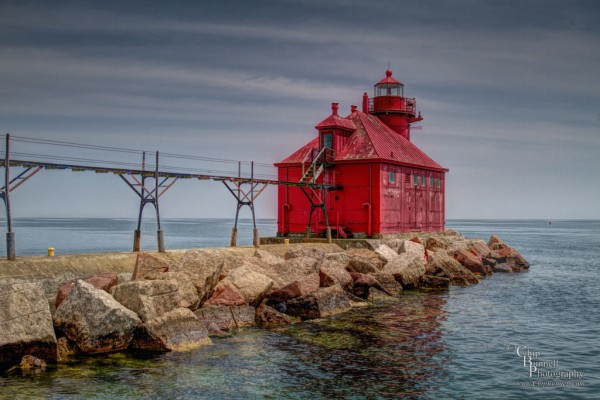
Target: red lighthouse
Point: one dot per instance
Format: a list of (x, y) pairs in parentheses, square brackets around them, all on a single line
[(373, 180)]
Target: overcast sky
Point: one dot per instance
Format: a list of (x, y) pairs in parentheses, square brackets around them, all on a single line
[(509, 92)]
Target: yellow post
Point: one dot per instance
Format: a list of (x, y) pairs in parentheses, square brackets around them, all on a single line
[(50, 251), (286, 241)]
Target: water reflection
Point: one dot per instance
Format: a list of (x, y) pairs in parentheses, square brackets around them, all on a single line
[(380, 351)]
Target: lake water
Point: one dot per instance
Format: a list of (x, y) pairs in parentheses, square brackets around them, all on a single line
[(457, 344)]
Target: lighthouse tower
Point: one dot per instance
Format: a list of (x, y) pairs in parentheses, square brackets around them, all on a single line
[(391, 107)]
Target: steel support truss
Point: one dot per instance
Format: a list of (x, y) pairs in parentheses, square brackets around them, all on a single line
[(245, 196), (148, 194), (319, 193), (9, 186)]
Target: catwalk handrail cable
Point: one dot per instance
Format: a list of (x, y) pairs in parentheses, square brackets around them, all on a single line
[(244, 188)]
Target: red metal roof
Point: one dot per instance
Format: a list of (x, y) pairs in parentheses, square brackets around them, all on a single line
[(335, 121), (372, 140), (388, 79)]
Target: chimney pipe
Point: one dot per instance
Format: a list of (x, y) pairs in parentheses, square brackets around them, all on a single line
[(353, 109), (365, 105), (334, 108)]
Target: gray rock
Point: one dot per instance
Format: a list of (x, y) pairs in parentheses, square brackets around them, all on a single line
[(94, 320), (188, 295), (304, 251), (407, 246), (203, 267), (389, 283), (253, 285), (244, 316), (386, 252), (148, 299), (332, 273), (441, 264), (218, 315), (322, 303), (25, 323), (431, 282), (407, 268), (177, 330), (365, 261)]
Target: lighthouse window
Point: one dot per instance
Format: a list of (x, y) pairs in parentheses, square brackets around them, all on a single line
[(328, 140), (392, 178), (415, 180), (438, 182), (431, 181), (422, 180)]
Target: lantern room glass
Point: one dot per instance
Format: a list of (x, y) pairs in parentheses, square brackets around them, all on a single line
[(389, 89)]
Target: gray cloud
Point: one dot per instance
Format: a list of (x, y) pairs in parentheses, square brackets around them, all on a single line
[(509, 90)]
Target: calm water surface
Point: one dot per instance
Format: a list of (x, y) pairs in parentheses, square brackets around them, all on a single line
[(456, 344)]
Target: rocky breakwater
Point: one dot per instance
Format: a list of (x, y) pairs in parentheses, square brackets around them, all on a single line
[(178, 300)]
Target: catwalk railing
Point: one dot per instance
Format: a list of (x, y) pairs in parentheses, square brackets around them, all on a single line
[(149, 181)]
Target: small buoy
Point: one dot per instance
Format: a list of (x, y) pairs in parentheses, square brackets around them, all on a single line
[(50, 251)]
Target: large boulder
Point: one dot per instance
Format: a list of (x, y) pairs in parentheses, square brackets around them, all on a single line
[(441, 264), (386, 252), (268, 316), (227, 317), (148, 266), (176, 330), (95, 321), (321, 303), (188, 295), (480, 248), (203, 267), (103, 281), (303, 251), (495, 243), (389, 283), (25, 323), (289, 271), (252, 285), (243, 315), (411, 247), (265, 258), (407, 268), (364, 261), (431, 282), (338, 257), (363, 282), (332, 273), (514, 259), (217, 315), (148, 299), (300, 287), (226, 294), (471, 261)]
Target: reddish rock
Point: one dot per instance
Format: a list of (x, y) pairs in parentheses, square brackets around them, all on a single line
[(514, 259), (470, 260), (148, 266), (226, 295), (219, 316), (495, 243), (244, 316), (301, 287), (103, 281), (416, 240), (481, 249), (434, 282), (389, 283)]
